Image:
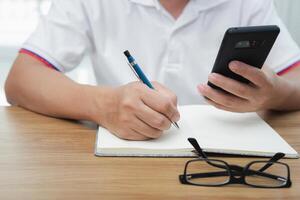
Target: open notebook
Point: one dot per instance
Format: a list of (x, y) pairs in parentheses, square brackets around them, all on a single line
[(216, 131)]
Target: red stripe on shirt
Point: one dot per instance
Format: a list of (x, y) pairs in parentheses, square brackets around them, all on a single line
[(39, 58), (293, 66)]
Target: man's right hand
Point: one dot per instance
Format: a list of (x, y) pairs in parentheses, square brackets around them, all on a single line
[(135, 112), (132, 112)]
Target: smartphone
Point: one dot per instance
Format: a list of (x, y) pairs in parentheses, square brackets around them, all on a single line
[(250, 45)]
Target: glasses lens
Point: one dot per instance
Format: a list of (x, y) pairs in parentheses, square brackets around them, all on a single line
[(273, 176), (207, 172)]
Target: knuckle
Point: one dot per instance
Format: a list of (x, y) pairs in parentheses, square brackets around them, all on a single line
[(228, 102), (159, 122), (269, 83), (127, 104), (260, 75), (262, 78), (173, 98), (137, 85), (124, 119), (137, 88), (241, 90), (167, 105)]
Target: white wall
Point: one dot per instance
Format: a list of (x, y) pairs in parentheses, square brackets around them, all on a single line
[(289, 12)]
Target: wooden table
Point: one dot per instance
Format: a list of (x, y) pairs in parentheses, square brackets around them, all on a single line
[(47, 158)]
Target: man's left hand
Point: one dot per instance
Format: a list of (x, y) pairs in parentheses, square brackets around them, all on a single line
[(266, 90)]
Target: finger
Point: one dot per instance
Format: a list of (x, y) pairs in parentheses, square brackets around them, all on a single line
[(221, 107), (153, 118), (169, 94), (131, 135), (146, 130), (165, 91), (253, 74), (161, 104), (221, 98), (232, 86)]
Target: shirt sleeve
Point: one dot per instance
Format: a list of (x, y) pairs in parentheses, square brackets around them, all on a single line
[(61, 38), (285, 51)]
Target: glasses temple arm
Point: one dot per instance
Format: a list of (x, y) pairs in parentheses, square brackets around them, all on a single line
[(275, 158), (263, 174), (209, 174), (201, 153), (197, 147)]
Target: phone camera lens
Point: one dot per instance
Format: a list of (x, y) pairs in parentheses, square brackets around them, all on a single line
[(243, 44)]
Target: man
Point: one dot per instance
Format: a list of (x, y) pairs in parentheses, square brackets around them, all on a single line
[(175, 42)]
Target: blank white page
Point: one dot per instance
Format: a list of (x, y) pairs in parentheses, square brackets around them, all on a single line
[(246, 132), (215, 130)]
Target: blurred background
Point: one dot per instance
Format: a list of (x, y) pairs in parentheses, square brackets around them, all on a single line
[(18, 19)]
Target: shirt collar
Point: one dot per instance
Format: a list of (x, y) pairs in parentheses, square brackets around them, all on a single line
[(200, 5), (150, 3)]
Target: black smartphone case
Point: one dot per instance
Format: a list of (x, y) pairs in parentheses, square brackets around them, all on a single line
[(261, 40)]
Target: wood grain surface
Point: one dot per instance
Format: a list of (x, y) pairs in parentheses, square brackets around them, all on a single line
[(47, 158)]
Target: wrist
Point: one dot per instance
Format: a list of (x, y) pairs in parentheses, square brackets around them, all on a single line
[(283, 92), (101, 101)]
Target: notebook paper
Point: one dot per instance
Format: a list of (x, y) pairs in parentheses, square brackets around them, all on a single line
[(216, 131)]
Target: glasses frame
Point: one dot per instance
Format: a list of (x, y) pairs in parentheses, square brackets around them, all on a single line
[(237, 174)]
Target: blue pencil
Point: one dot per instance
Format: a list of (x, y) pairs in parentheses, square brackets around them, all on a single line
[(140, 74)]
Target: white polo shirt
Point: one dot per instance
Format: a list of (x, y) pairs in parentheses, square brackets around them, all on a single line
[(178, 53)]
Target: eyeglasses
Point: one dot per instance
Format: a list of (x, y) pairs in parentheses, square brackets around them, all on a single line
[(212, 172)]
